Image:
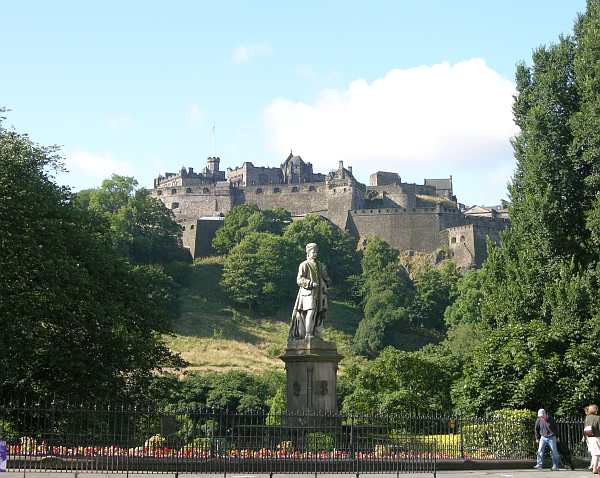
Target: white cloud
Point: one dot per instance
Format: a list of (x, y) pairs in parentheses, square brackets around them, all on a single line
[(245, 53), (194, 114), (440, 119), (98, 166)]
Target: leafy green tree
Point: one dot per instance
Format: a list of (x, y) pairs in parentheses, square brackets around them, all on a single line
[(77, 320), (377, 256), (434, 293), (336, 248), (260, 271), (246, 219), (382, 326), (466, 300), (142, 228), (539, 286), (234, 390), (386, 291), (399, 382)]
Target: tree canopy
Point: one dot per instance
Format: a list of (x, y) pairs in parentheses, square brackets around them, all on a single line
[(537, 292), (142, 228), (245, 219), (76, 318)]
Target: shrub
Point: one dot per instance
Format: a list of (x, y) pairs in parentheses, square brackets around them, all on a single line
[(7, 431), (319, 441), (511, 433)]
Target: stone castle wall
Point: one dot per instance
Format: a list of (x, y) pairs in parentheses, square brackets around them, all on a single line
[(419, 217), (297, 198)]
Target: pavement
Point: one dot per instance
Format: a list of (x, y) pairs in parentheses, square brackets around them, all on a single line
[(523, 473)]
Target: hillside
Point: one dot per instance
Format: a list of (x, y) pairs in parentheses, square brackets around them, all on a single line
[(214, 335)]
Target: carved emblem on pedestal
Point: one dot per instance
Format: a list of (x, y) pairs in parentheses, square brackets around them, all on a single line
[(323, 387)]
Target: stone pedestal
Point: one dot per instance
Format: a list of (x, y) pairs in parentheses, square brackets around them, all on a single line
[(311, 375)]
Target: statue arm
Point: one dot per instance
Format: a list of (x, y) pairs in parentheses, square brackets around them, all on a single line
[(302, 280)]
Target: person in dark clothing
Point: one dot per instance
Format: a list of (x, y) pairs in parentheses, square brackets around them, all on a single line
[(545, 435)]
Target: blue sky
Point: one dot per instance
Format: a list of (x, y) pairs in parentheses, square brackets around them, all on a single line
[(422, 88)]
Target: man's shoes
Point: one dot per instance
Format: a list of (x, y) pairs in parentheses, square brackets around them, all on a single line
[(537, 467), (554, 468)]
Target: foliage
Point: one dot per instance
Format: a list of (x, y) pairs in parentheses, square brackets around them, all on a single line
[(538, 289), (142, 228), (382, 325), (277, 407), (398, 311), (232, 390), (434, 292), (66, 289), (260, 271), (511, 433), (336, 248), (246, 219), (466, 300), (399, 382), (320, 441)]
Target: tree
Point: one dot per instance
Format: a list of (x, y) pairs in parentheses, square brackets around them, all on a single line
[(336, 248), (386, 292), (382, 326), (434, 292), (399, 382), (245, 219), (539, 286), (260, 271), (466, 301), (77, 320), (142, 228)]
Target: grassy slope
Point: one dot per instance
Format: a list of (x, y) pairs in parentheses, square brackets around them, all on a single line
[(212, 334)]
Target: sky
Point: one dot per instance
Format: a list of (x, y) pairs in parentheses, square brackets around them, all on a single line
[(422, 88)]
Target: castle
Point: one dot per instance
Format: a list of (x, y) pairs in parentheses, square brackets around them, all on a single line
[(414, 217)]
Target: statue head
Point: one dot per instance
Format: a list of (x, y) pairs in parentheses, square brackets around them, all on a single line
[(311, 250)]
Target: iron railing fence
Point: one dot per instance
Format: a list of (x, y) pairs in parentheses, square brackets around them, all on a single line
[(123, 438)]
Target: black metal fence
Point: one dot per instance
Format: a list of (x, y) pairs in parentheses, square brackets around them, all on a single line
[(143, 439)]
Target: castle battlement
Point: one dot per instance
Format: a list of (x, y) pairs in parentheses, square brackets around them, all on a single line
[(408, 216)]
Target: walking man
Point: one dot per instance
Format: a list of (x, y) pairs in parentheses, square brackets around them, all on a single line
[(545, 435)]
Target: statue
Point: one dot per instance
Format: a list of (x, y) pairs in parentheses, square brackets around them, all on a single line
[(310, 308)]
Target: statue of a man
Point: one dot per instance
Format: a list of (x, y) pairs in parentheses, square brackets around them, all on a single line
[(310, 308)]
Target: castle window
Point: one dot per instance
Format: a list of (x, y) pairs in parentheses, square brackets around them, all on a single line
[(174, 205), (205, 190), (276, 190), (173, 191), (453, 240), (462, 238), (159, 193), (188, 190), (344, 189), (183, 228), (312, 188), (259, 191), (295, 189), (191, 227)]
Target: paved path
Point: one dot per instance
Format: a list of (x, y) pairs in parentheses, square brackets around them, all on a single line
[(529, 473)]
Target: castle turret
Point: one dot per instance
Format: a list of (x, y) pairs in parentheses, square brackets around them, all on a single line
[(213, 164)]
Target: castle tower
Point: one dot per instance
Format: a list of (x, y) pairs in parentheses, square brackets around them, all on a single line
[(213, 164)]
